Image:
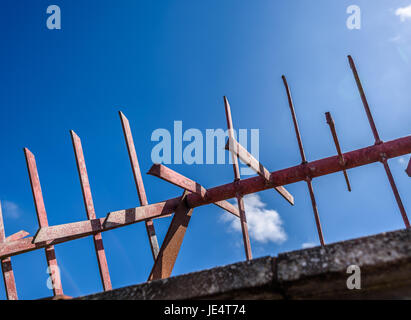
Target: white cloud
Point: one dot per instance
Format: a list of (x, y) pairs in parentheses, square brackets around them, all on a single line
[(403, 161), (396, 38), (308, 245), (11, 209), (264, 225), (404, 13)]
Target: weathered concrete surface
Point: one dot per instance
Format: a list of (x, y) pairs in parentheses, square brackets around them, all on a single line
[(315, 273), (384, 259), (228, 282)]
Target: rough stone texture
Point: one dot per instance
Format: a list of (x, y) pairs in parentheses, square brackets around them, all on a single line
[(315, 273), (253, 278), (384, 259)]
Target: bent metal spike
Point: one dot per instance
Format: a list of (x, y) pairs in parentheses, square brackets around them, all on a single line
[(194, 196)]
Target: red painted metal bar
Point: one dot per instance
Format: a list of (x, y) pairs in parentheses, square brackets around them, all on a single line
[(6, 267), (331, 123), (395, 191), (151, 232), (112, 221), (8, 249), (408, 170), (242, 153), (383, 158), (63, 233), (42, 219), (239, 196), (364, 101), (91, 214), (17, 236), (164, 264), (308, 178), (294, 117), (315, 209), (165, 173)]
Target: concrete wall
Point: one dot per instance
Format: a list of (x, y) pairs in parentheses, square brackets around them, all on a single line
[(315, 273)]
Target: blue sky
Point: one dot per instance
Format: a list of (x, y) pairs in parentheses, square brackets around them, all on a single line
[(160, 62)]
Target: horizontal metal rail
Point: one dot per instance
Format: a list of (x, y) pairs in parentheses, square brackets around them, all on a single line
[(62, 233)]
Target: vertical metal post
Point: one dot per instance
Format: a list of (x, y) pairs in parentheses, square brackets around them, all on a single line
[(6, 268), (378, 141), (42, 219), (304, 161), (241, 207), (151, 232), (91, 214)]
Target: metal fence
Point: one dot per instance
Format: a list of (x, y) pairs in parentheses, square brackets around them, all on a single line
[(194, 195)]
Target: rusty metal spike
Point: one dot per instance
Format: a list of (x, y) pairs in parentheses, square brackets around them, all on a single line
[(308, 178), (151, 232), (6, 268), (88, 202), (241, 208), (378, 141), (330, 122), (43, 223)]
